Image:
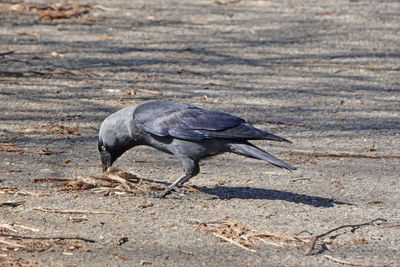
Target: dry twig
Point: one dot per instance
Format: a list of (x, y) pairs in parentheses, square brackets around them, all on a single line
[(16, 191), (344, 261), (12, 203), (247, 237), (112, 181), (51, 12), (8, 227), (8, 243), (74, 211), (391, 224), (342, 155), (105, 8), (315, 238), (16, 225), (301, 179), (144, 205), (233, 242), (290, 124), (50, 179), (2, 54), (50, 237), (47, 151), (63, 14), (10, 148), (184, 251), (115, 181)]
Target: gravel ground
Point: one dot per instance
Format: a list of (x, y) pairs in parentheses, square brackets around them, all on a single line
[(324, 74)]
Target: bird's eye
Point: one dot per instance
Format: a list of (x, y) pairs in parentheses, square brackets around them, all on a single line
[(103, 148)]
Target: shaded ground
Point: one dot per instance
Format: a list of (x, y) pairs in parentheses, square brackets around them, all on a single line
[(324, 74)]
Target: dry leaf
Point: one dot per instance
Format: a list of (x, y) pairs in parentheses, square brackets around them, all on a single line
[(47, 151), (145, 204), (31, 131), (51, 12), (10, 148), (360, 241), (373, 202), (370, 148)]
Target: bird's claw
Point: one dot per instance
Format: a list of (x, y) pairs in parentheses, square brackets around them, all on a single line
[(181, 193), (156, 194), (180, 196)]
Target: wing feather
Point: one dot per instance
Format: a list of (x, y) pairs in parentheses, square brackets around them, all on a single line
[(188, 122)]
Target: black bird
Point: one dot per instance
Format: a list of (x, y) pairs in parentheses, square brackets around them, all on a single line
[(189, 132)]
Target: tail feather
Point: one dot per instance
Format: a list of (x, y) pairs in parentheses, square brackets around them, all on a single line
[(255, 152), (243, 131)]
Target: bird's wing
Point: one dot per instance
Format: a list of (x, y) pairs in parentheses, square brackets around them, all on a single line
[(188, 122), (181, 120), (244, 131)]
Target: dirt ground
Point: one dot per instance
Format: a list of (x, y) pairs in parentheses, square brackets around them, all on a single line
[(324, 74)]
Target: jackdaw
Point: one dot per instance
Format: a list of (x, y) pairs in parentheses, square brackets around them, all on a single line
[(189, 132)]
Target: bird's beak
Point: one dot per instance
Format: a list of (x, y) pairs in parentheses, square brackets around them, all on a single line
[(105, 160)]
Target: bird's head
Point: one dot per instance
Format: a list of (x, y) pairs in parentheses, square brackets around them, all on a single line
[(105, 155), (117, 134), (110, 152)]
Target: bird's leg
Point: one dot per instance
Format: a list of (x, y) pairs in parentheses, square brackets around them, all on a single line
[(191, 168), (171, 186), (184, 180)]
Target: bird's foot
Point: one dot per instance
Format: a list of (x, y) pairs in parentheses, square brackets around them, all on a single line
[(180, 196), (181, 193), (157, 194)]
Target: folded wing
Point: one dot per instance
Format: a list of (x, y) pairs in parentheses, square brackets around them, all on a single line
[(188, 122)]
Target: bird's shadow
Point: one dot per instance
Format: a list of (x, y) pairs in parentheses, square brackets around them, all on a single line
[(224, 192)]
